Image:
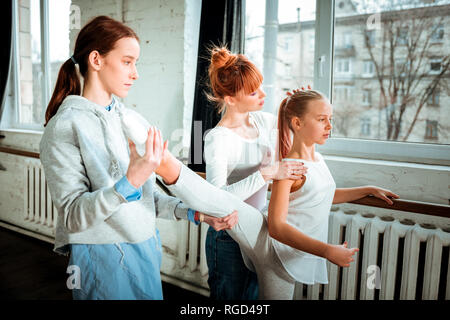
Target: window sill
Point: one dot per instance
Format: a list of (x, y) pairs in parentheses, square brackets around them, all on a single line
[(22, 139), (22, 131), (403, 152)]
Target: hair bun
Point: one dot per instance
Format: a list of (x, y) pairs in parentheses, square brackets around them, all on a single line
[(221, 56)]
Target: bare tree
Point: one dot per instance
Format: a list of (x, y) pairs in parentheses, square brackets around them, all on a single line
[(405, 74)]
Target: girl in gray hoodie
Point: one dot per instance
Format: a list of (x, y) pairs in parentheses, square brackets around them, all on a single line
[(101, 186)]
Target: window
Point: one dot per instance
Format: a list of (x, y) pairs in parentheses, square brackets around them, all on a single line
[(288, 42), (366, 97), (397, 89), (343, 93), (343, 66), (290, 64), (344, 40), (438, 33), (311, 42), (431, 131), (370, 34), (394, 97), (435, 66), (369, 68), (37, 56), (433, 99), (402, 36), (365, 126)]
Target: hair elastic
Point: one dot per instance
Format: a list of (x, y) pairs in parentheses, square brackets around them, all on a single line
[(73, 60)]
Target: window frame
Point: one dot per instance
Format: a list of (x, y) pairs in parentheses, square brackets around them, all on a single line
[(415, 152), (13, 105)]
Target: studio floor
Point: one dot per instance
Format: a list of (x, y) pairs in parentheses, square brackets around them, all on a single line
[(30, 270)]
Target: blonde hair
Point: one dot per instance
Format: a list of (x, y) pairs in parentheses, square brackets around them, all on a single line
[(295, 105)]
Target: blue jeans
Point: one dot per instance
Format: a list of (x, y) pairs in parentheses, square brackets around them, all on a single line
[(229, 278), (120, 271)]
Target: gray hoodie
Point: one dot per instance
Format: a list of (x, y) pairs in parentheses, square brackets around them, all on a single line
[(84, 152)]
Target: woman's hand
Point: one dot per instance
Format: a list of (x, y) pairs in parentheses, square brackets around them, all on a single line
[(383, 194), (224, 223), (140, 168), (284, 170), (340, 254)]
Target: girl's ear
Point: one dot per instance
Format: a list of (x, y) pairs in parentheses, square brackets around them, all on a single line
[(95, 60), (296, 123), (229, 100)]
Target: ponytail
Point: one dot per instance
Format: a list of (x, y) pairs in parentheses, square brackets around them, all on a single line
[(68, 83), (295, 105), (284, 132)]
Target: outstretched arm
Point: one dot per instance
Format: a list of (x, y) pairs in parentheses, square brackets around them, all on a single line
[(280, 230), (342, 195)]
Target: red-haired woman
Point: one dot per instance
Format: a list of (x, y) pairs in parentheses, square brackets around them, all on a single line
[(100, 185), (239, 155)]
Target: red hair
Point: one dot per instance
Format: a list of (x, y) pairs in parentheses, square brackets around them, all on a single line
[(100, 34), (295, 105), (229, 74)]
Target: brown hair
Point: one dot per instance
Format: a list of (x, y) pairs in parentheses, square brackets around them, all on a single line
[(100, 34), (295, 105), (229, 74)]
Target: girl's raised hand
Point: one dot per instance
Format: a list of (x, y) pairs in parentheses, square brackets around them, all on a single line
[(340, 254), (384, 194), (141, 167)]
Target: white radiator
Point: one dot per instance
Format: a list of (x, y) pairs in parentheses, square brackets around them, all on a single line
[(38, 207), (397, 260)]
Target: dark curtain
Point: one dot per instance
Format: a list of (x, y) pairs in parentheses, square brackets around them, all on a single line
[(5, 48), (222, 22)]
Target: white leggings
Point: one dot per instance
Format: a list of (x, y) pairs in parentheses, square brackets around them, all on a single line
[(250, 232)]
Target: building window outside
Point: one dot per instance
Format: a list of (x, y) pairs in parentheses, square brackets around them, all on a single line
[(403, 36), (369, 68), (438, 33), (433, 99), (290, 64), (343, 66), (431, 131), (435, 66), (366, 97), (398, 78), (365, 126)]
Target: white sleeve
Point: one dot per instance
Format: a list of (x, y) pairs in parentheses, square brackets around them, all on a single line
[(217, 151)]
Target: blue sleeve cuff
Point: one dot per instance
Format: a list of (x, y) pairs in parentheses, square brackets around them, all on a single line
[(130, 193), (191, 216)]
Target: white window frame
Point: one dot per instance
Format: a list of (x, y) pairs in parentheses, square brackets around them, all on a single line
[(366, 97), (436, 39), (422, 153), (366, 124), (11, 116), (368, 69)]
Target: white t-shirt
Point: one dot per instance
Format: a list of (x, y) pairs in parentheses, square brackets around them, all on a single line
[(233, 162), (308, 211)]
